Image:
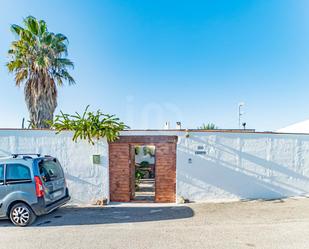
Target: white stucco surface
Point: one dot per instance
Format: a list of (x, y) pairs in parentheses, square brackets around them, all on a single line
[(87, 182), (242, 166), (211, 166)]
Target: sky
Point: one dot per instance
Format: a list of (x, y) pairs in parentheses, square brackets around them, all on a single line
[(149, 62)]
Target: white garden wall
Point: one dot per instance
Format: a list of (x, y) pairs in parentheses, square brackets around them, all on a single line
[(87, 182), (211, 166), (226, 166)]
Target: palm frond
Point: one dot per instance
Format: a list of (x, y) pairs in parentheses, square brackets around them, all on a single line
[(61, 37), (21, 76), (64, 62), (14, 65), (16, 29), (32, 25), (42, 27)]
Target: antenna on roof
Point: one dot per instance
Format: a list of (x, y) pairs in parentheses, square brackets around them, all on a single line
[(23, 124), (240, 113), (167, 125)]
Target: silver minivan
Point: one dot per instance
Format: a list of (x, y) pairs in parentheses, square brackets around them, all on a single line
[(30, 185)]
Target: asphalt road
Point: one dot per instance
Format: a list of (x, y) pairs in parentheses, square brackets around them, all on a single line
[(259, 224)]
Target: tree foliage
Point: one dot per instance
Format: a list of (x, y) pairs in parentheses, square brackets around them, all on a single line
[(137, 150), (149, 150), (90, 125), (38, 60), (209, 126)]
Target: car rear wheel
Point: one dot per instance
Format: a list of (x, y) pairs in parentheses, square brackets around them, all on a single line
[(22, 215)]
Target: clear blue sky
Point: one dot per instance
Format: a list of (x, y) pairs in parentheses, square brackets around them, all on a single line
[(190, 61)]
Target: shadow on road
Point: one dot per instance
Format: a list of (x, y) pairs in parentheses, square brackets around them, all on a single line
[(68, 216)]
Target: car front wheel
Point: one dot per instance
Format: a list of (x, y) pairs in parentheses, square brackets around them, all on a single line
[(22, 215)]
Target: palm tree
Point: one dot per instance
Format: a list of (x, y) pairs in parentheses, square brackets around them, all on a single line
[(38, 60), (209, 126)]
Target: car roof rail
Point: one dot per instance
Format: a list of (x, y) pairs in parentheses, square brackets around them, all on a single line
[(26, 155)]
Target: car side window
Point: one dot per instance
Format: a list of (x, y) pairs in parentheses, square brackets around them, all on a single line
[(50, 170), (1, 174), (17, 173)]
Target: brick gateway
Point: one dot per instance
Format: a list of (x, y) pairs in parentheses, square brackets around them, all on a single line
[(121, 153)]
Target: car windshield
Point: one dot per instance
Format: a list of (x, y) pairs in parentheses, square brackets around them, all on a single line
[(50, 170)]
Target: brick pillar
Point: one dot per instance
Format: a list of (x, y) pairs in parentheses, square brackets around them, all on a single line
[(119, 172), (165, 172)]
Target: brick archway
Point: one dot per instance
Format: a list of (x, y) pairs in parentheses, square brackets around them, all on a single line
[(120, 177)]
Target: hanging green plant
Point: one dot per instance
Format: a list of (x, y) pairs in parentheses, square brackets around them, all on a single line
[(144, 164), (89, 126), (139, 174), (145, 151), (149, 150), (137, 150)]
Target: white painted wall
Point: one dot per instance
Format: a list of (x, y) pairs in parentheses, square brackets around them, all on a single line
[(242, 166), (234, 166), (87, 182)]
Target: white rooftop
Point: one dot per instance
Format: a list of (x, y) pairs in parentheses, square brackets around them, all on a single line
[(301, 127)]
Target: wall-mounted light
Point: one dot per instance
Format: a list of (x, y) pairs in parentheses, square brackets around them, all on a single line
[(187, 135)]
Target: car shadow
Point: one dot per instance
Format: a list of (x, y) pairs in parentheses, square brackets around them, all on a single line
[(72, 215)]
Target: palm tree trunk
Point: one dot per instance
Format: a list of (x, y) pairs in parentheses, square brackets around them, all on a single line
[(41, 100)]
